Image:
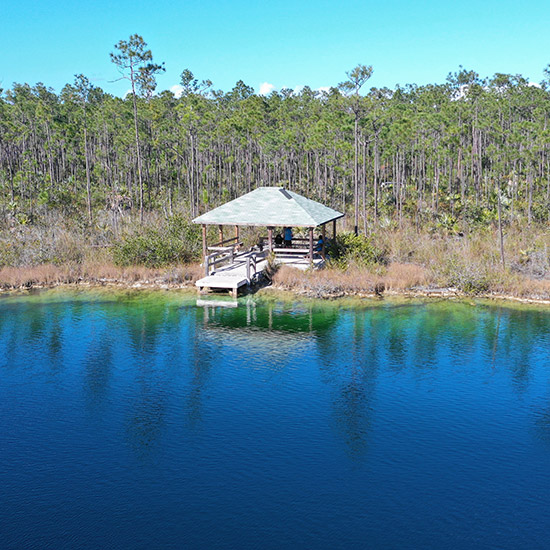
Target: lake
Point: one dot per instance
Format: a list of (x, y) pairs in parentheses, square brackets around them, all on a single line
[(144, 420)]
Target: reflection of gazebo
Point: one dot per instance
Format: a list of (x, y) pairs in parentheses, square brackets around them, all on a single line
[(269, 207)]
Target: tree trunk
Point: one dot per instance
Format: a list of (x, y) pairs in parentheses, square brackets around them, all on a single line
[(138, 151)]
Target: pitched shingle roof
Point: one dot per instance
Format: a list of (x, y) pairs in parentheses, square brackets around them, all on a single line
[(270, 206)]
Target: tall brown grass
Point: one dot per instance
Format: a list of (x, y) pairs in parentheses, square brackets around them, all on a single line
[(354, 280), (327, 282), (96, 273)]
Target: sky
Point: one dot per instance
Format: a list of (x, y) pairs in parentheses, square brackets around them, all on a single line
[(274, 44)]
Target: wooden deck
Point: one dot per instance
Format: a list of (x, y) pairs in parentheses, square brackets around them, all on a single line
[(242, 270)]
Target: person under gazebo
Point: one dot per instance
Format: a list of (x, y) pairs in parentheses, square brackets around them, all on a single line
[(287, 232)]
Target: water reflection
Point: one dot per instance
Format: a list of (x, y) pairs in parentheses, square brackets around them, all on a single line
[(166, 355), (397, 423), (98, 366)]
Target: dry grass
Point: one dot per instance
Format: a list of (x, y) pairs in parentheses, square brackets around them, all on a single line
[(56, 253), (406, 276), (327, 282), (45, 274), (96, 273), (470, 263), (354, 280), (521, 286)]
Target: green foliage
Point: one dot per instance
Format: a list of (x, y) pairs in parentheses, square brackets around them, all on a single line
[(447, 222), (471, 279), (174, 243), (477, 214), (135, 63), (357, 249)]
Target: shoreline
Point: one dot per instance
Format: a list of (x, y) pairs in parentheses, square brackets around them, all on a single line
[(436, 293), (445, 293)]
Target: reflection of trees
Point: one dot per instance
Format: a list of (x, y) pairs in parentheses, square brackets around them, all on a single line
[(201, 364), (350, 359), (12, 321), (98, 365), (421, 337), (525, 330), (54, 337), (152, 328), (147, 414), (166, 353), (281, 317), (31, 329)]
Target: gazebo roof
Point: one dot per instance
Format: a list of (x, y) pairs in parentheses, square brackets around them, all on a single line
[(270, 206)]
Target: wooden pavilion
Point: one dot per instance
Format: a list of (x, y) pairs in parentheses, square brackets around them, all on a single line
[(268, 207)]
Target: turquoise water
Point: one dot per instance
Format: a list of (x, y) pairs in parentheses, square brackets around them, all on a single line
[(141, 420)]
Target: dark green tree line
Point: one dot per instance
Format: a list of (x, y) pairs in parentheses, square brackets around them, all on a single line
[(435, 154)]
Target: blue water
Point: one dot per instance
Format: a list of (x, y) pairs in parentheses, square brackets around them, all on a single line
[(140, 420)]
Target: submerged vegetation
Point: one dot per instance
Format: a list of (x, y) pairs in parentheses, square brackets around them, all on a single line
[(428, 175)]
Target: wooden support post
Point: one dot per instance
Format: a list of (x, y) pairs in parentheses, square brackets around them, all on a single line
[(334, 230), (220, 228), (270, 238), (204, 245), (311, 245), (323, 233), (237, 233)]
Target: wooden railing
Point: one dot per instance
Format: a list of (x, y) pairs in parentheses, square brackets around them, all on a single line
[(228, 254), (227, 248), (297, 242), (291, 251), (224, 254), (251, 264), (232, 240)]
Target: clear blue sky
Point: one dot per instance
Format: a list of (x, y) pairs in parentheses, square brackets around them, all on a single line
[(283, 42)]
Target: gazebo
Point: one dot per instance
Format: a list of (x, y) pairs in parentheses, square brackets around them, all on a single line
[(268, 207)]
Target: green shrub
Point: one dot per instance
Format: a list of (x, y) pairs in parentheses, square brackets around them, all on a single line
[(34, 246), (447, 223), (9, 253), (470, 279), (357, 249), (176, 242)]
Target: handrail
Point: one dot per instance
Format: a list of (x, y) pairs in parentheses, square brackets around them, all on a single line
[(219, 255), (221, 243), (251, 262), (228, 247), (216, 258), (291, 250), (264, 240)]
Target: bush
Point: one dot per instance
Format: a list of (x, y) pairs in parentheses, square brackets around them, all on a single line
[(469, 279), (533, 262), (31, 245), (357, 249), (175, 243)]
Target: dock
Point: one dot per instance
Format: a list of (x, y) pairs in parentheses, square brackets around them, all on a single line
[(225, 270)]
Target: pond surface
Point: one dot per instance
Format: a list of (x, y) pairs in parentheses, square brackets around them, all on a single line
[(142, 420)]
